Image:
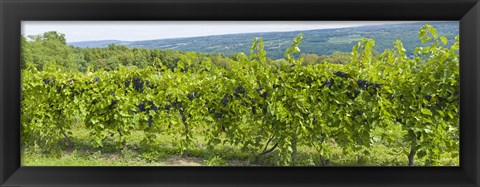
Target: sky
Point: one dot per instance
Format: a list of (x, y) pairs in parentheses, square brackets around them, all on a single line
[(148, 30)]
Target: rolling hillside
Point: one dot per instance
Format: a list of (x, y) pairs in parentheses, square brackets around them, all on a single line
[(321, 42)]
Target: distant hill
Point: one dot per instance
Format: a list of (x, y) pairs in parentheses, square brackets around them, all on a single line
[(99, 43), (321, 42)]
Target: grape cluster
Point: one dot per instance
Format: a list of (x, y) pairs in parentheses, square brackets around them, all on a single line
[(362, 84), (48, 81), (193, 95), (153, 106), (264, 94), (340, 85), (224, 100), (177, 103), (427, 97), (240, 90), (114, 103), (182, 113), (354, 94), (138, 84), (342, 74), (60, 88), (218, 115), (365, 84), (147, 84), (329, 83), (167, 107), (150, 120), (375, 85), (141, 107)]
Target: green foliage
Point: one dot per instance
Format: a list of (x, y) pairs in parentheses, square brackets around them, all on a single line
[(215, 161), (335, 58), (261, 106)]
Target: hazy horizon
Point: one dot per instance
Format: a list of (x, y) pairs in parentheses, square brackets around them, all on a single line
[(81, 31)]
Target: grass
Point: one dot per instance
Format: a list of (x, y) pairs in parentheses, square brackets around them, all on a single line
[(84, 153)]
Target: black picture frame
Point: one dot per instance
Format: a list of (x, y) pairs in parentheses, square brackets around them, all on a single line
[(12, 12)]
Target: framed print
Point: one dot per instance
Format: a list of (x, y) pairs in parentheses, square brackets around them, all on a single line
[(244, 93)]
